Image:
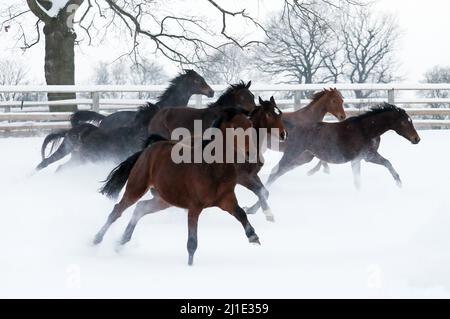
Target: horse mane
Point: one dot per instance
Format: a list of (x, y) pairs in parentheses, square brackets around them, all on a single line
[(227, 114), (378, 109), (173, 85), (224, 98), (318, 95), (145, 113)]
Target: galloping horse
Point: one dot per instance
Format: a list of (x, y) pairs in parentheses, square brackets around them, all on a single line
[(89, 143), (193, 186), (356, 139), (267, 116), (300, 121), (177, 94)]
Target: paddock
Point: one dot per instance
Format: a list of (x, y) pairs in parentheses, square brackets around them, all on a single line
[(329, 240)]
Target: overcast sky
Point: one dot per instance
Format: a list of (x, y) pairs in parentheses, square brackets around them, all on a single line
[(425, 41)]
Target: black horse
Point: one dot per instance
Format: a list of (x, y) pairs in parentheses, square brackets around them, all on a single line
[(114, 143), (177, 95)]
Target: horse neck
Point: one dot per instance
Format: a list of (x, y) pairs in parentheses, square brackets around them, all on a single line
[(223, 101), (176, 95), (376, 125), (315, 111)]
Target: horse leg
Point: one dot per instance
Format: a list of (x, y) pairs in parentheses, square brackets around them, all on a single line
[(193, 214), (287, 163), (326, 168), (113, 216), (376, 158), (143, 208), (356, 168), (230, 205), (315, 169), (257, 187), (136, 188)]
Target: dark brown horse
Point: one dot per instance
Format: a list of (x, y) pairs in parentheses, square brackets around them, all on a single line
[(354, 140), (300, 121), (166, 120), (177, 94), (185, 185), (267, 117)]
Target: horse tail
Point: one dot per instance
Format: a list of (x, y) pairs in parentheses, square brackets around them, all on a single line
[(118, 177), (72, 138), (53, 138), (86, 116), (65, 148)]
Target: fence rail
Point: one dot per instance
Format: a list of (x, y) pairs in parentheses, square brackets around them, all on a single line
[(33, 115)]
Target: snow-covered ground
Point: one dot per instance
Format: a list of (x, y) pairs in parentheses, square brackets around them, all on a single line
[(329, 240)]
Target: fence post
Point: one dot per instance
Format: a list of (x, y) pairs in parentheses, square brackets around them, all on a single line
[(391, 96), (95, 101), (297, 100), (198, 101)]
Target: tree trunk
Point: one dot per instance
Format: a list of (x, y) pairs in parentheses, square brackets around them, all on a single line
[(60, 61)]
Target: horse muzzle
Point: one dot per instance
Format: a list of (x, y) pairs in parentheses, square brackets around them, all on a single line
[(415, 140)]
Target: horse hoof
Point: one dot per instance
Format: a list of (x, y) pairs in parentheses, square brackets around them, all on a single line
[(97, 240), (269, 215), (119, 247), (254, 240), (399, 184), (310, 173), (191, 261)]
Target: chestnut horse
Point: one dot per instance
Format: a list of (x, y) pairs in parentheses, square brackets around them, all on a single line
[(356, 139), (168, 119), (185, 185), (177, 94)]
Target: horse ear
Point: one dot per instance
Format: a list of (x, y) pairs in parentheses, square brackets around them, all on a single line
[(272, 100), (248, 84), (187, 71), (260, 100)]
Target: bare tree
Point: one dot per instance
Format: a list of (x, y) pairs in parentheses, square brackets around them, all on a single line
[(120, 72), (12, 73), (437, 74), (369, 45), (227, 65), (180, 37), (297, 46)]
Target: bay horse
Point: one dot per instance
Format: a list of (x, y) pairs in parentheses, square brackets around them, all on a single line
[(178, 93), (354, 140), (89, 143), (193, 186), (168, 119), (266, 116)]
